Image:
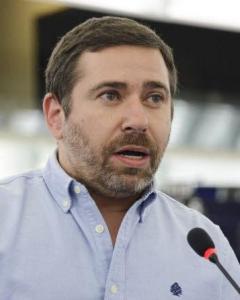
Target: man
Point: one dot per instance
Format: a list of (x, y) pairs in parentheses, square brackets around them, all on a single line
[(91, 225)]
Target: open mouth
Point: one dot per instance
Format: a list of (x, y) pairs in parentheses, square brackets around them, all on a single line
[(132, 154)]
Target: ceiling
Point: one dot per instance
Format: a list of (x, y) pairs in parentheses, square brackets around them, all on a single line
[(205, 13)]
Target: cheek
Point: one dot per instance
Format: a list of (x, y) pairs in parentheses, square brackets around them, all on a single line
[(96, 131), (162, 132), (102, 123)]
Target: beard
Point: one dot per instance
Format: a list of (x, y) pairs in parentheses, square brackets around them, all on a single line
[(93, 167)]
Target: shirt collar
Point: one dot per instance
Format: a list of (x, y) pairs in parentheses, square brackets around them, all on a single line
[(58, 182), (60, 185), (144, 203)]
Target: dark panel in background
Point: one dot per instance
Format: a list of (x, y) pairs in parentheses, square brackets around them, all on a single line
[(207, 60), (222, 206)]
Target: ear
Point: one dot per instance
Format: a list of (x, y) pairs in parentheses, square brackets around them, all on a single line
[(54, 115)]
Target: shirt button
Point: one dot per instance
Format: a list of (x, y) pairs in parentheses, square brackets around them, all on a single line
[(114, 289), (77, 189), (65, 203), (99, 228)]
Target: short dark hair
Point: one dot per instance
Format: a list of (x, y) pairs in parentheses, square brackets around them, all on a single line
[(93, 35)]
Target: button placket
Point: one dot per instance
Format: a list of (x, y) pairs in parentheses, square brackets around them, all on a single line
[(116, 281)]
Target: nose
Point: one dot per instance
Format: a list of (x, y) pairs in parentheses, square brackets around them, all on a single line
[(135, 117)]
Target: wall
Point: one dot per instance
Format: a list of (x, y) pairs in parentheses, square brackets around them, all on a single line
[(18, 52)]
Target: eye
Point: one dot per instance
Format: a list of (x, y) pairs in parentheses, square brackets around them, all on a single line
[(155, 99), (110, 96)]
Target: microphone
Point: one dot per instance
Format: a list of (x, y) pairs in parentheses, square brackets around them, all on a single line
[(204, 246)]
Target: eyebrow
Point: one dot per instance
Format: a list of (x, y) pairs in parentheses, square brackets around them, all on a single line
[(111, 84), (156, 85), (123, 86)]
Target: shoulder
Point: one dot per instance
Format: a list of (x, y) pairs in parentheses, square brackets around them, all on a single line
[(17, 203), (179, 210), (183, 219), (17, 185), (183, 216), (20, 177)]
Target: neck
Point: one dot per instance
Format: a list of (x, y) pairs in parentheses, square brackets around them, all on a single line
[(113, 210), (113, 204)]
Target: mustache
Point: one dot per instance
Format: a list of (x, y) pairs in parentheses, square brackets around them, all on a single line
[(135, 138)]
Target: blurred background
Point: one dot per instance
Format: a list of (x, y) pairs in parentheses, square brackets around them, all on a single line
[(202, 165)]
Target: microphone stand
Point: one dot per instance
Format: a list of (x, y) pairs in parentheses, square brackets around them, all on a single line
[(214, 259)]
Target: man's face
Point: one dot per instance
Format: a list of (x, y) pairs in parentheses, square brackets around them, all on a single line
[(120, 120)]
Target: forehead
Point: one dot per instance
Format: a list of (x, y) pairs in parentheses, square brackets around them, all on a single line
[(134, 64)]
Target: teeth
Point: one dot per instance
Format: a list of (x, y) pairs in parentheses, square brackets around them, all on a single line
[(137, 157)]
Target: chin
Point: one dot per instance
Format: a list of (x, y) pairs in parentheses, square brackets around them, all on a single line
[(127, 185)]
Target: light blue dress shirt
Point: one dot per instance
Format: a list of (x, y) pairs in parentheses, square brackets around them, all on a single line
[(55, 245)]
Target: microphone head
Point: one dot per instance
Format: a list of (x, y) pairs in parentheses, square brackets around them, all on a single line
[(200, 241)]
